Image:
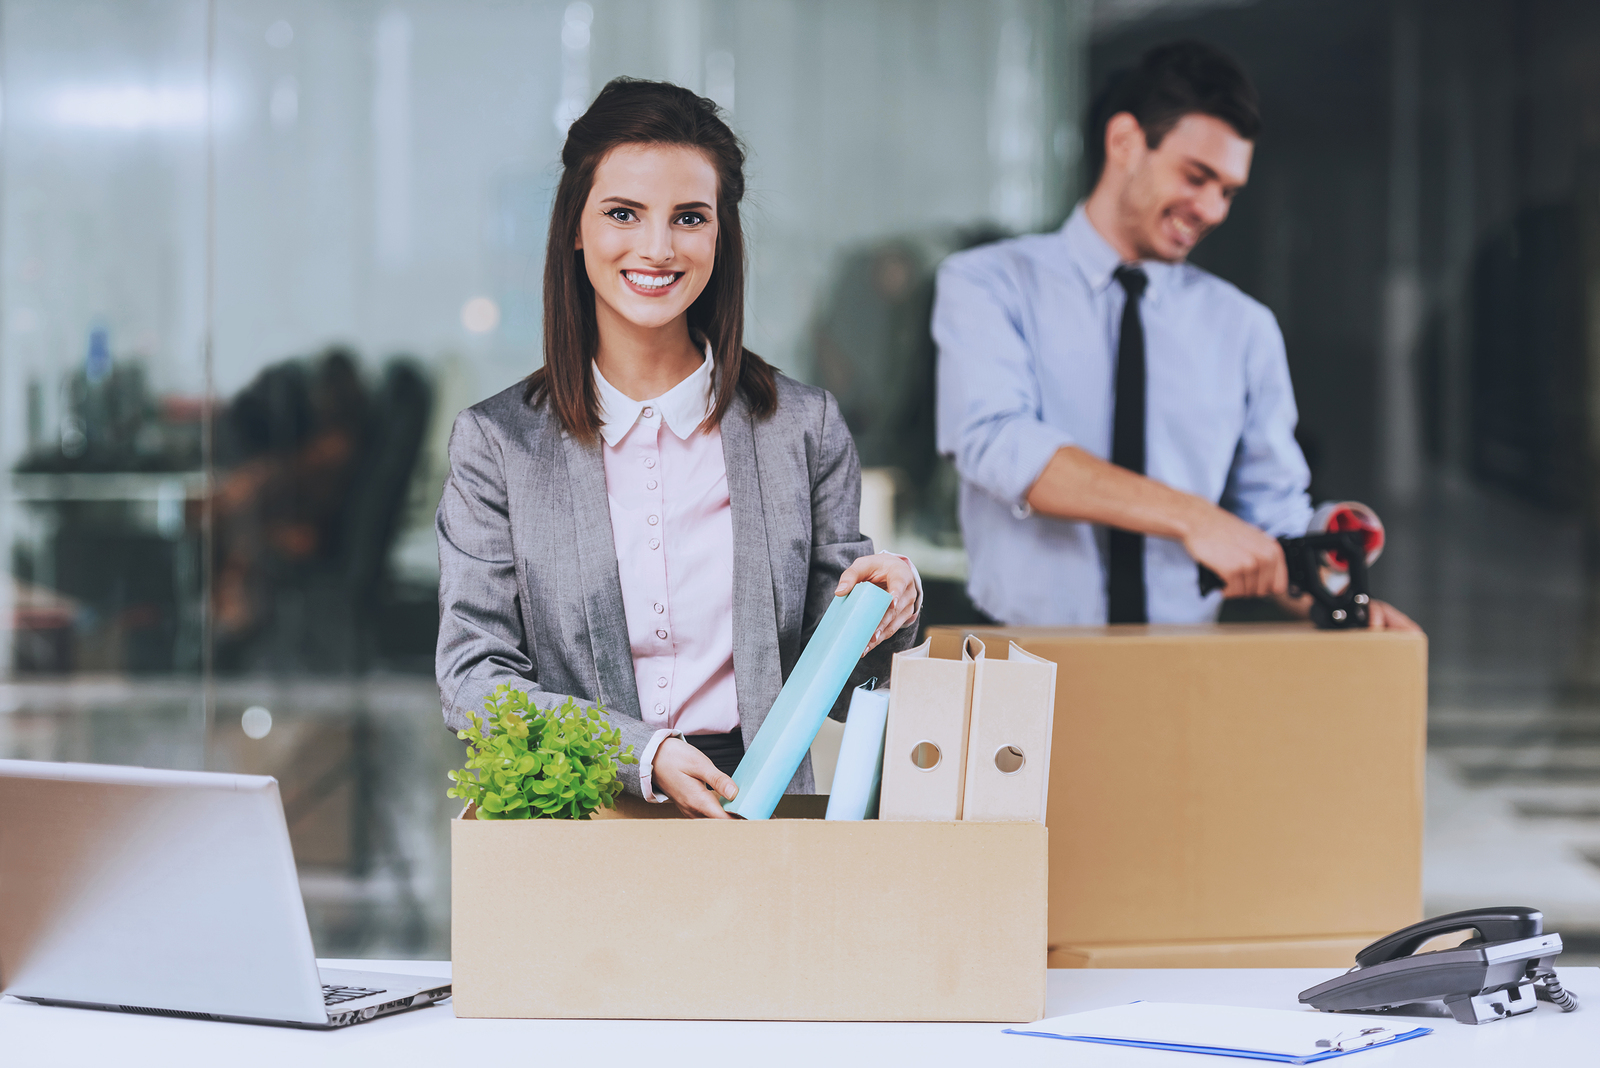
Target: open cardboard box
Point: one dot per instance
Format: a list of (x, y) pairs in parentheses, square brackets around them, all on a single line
[(1241, 795), (636, 914)]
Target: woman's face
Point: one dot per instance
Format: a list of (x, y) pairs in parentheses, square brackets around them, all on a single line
[(649, 232)]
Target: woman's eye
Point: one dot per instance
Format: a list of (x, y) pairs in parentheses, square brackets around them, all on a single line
[(691, 218), (622, 215)]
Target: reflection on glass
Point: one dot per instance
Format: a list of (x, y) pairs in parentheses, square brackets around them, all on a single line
[(312, 472), (231, 564)]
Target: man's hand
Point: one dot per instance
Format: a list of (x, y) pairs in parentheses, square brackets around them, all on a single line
[(1249, 560), (1380, 614), (688, 778), (894, 575), (1384, 616)]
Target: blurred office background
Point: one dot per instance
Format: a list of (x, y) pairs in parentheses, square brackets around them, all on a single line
[(256, 254)]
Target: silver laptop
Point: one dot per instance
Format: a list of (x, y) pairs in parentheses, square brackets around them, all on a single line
[(171, 893)]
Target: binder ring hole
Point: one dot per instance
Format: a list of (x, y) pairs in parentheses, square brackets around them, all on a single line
[(1009, 759), (926, 755)]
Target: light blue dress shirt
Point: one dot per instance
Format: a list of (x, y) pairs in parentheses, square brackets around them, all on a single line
[(1027, 335)]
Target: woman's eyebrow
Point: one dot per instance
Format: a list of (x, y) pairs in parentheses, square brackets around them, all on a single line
[(625, 202), (693, 204)]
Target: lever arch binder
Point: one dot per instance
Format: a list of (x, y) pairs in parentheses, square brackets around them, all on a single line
[(925, 748), (1281, 1035), (791, 725), (1008, 752)]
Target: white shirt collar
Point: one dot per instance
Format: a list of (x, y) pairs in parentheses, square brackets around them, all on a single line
[(683, 407)]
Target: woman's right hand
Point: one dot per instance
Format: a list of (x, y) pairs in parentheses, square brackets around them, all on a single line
[(688, 778)]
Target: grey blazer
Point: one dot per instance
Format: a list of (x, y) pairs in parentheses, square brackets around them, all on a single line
[(529, 592)]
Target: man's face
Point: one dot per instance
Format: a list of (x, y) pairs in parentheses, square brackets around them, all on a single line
[(1176, 193)]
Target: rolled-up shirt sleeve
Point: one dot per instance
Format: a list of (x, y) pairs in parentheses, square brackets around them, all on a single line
[(647, 765), (1268, 482), (989, 406)]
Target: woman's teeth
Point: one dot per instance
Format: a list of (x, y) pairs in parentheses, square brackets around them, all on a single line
[(650, 281)]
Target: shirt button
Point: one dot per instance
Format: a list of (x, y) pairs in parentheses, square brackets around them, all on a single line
[(651, 484), (649, 461), (661, 634), (648, 412), (655, 543), (661, 710), (659, 607), (653, 520), (661, 683)]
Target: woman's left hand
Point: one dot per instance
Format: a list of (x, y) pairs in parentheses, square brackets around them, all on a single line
[(893, 574)]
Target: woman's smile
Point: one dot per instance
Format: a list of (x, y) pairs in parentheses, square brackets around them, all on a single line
[(651, 283)]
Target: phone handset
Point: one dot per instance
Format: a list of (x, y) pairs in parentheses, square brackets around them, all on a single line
[(1503, 969), (1504, 923), (1501, 924)]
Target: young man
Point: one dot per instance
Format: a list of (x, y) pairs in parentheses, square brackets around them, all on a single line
[(1116, 414)]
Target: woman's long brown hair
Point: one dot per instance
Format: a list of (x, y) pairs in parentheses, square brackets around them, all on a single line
[(631, 112)]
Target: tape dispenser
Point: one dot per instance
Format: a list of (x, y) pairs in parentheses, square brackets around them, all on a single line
[(1330, 563)]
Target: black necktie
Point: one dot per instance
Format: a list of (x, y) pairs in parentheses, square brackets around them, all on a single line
[(1125, 601)]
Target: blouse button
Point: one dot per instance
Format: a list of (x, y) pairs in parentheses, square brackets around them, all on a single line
[(649, 461), (650, 485), (653, 520), (661, 683), (661, 710), (655, 543), (659, 607), (661, 634), (648, 412)]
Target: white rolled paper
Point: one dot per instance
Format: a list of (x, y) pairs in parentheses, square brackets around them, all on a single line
[(859, 772)]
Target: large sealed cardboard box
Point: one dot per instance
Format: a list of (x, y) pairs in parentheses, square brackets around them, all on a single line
[(1241, 795), (631, 916)]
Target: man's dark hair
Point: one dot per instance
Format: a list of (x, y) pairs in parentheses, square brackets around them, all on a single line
[(1171, 81)]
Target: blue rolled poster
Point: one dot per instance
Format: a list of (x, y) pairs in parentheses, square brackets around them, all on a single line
[(792, 724)]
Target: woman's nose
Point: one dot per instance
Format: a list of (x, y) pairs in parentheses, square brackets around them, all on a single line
[(657, 243)]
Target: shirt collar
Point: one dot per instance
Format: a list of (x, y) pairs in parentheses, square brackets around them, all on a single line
[(1097, 261), (683, 407)]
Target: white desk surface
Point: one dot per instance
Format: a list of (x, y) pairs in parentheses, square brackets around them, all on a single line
[(40, 1035)]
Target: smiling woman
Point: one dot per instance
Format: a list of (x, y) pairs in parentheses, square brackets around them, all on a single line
[(656, 520)]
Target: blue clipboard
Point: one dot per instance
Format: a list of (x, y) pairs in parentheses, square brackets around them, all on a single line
[(1279, 1036)]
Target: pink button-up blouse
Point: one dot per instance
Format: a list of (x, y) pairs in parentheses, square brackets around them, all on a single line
[(667, 485), (670, 519)]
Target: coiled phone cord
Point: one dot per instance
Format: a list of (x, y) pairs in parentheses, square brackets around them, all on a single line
[(1561, 999)]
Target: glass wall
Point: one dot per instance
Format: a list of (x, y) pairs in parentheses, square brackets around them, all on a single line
[(254, 256)]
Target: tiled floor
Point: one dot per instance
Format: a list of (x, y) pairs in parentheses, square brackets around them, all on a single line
[(1514, 722)]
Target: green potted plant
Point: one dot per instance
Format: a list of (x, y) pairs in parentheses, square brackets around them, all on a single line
[(525, 762)]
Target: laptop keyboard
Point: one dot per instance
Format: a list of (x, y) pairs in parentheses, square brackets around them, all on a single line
[(338, 995)]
